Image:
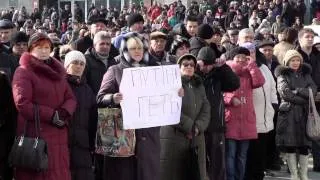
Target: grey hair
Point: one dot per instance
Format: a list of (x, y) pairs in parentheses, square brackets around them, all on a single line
[(245, 31), (102, 35)]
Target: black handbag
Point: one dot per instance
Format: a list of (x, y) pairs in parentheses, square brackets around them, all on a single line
[(193, 161), (30, 152)]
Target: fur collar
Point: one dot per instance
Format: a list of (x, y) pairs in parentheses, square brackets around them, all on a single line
[(285, 70), (53, 71)]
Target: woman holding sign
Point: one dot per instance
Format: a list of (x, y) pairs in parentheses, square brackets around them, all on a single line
[(195, 116), (144, 163)]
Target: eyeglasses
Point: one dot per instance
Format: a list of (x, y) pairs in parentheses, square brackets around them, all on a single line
[(188, 64), (81, 63)]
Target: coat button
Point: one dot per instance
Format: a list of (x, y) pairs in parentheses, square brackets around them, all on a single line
[(143, 138)]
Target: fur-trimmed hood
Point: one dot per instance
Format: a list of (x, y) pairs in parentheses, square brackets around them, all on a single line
[(285, 70), (53, 70), (124, 47)]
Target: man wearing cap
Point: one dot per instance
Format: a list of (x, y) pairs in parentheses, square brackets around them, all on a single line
[(135, 24), (83, 44), (6, 30), (218, 78), (266, 48), (157, 51)]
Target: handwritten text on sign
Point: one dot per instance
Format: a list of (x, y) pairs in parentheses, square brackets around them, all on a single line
[(150, 96)]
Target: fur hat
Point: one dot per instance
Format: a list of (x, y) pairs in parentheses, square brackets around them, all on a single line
[(124, 47), (37, 37), (19, 37), (134, 18), (73, 56), (289, 55), (179, 41), (205, 31), (6, 24), (207, 55), (158, 34)]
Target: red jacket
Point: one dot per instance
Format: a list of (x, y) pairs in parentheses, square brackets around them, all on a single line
[(155, 13), (241, 120), (36, 82)]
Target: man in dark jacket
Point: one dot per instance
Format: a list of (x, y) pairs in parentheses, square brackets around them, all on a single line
[(311, 55), (6, 29), (218, 78), (7, 125)]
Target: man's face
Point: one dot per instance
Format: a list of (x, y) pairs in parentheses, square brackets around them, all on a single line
[(267, 51), (103, 46), (29, 31), (20, 48), (307, 40), (5, 35), (248, 37), (158, 44), (216, 38), (233, 38), (203, 67), (192, 28), (97, 27), (137, 27)]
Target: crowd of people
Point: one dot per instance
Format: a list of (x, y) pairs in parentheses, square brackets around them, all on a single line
[(246, 66)]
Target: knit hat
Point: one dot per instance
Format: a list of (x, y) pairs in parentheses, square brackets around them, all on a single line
[(238, 50), (250, 46), (207, 55), (6, 24), (289, 55), (316, 40), (37, 37), (187, 56), (134, 18), (19, 37), (73, 56), (205, 31)]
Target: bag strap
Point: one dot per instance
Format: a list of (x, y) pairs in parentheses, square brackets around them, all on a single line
[(312, 105), (37, 120)]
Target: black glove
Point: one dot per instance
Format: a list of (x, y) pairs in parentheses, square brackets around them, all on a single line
[(57, 121)]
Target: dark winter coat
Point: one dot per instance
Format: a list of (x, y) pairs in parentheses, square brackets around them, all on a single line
[(38, 82), (8, 118), (293, 109), (174, 144), (148, 139), (8, 64), (95, 69), (314, 60), (219, 80), (80, 136)]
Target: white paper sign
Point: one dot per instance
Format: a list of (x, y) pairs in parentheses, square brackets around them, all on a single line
[(150, 96)]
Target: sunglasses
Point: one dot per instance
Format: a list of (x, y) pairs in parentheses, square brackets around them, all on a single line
[(188, 64), (81, 63)]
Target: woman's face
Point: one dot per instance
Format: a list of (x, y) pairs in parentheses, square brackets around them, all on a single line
[(42, 52), (241, 59), (182, 50), (76, 68), (136, 52), (187, 67), (294, 63)]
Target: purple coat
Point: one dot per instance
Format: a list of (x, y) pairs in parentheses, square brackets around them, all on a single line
[(45, 84), (241, 120)]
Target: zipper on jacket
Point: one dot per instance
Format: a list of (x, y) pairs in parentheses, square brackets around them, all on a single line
[(265, 107)]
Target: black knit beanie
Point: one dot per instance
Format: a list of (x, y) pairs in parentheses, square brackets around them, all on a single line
[(207, 55), (238, 50), (205, 31), (19, 37)]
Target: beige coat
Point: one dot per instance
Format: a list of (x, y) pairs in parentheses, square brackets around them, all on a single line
[(280, 50)]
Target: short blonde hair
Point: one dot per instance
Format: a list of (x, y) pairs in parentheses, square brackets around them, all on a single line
[(134, 41)]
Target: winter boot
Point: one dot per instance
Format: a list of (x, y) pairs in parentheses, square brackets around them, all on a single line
[(303, 170), (293, 166)]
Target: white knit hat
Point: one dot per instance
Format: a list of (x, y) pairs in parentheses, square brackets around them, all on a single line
[(290, 54), (316, 40), (73, 56)]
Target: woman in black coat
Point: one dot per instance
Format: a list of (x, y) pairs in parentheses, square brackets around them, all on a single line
[(80, 136), (7, 125), (293, 81)]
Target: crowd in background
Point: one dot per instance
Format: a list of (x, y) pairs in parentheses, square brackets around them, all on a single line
[(246, 68)]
